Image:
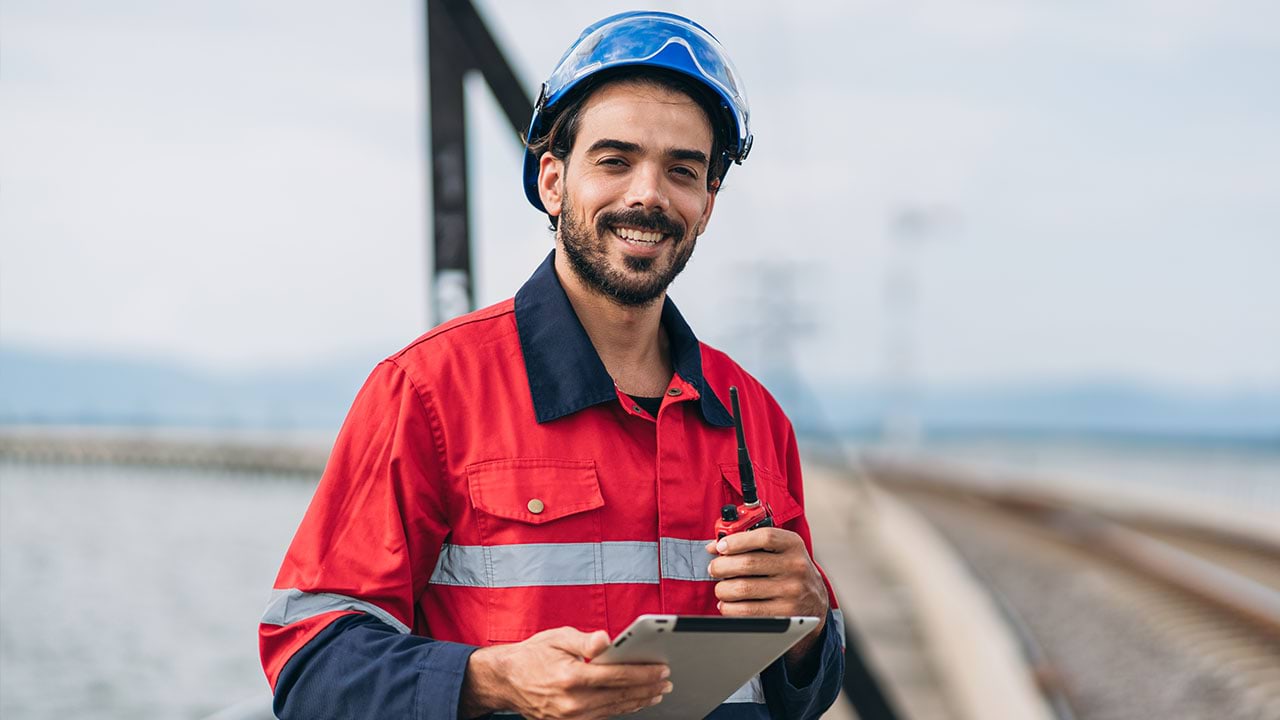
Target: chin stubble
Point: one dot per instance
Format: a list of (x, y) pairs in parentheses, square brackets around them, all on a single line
[(588, 256)]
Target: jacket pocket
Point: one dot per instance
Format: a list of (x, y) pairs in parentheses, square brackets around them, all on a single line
[(541, 528), (770, 487)]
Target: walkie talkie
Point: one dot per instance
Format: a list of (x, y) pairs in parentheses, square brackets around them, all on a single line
[(752, 513)]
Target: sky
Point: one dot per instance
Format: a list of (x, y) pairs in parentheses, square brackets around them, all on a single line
[(239, 186)]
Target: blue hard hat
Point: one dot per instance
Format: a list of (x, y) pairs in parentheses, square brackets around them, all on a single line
[(649, 39)]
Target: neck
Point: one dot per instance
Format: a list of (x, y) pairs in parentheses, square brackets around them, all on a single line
[(629, 339)]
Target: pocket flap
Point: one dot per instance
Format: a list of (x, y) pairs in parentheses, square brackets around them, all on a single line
[(770, 487), (534, 490)]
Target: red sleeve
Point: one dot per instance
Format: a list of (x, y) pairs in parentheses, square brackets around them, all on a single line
[(372, 534)]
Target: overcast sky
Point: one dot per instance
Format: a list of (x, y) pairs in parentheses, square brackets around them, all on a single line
[(240, 185)]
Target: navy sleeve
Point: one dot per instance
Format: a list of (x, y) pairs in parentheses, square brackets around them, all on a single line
[(786, 700), (360, 667)]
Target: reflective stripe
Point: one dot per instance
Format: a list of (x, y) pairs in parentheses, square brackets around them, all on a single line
[(630, 562), (462, 565), (506, 566), (838, 616), (751, 692), (546, 564), (685, 559), (289, 606)]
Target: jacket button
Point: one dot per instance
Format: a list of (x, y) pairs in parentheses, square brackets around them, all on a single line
[(635, 408), (673, 392), (536, 506)]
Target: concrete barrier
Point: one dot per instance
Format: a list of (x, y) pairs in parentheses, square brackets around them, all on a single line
[(975, 656)]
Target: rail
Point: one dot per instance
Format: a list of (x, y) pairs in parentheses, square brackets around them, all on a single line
[(1134, 614), (1211, 582)]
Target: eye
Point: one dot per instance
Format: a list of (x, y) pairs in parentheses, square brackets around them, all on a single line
[(685, 171), (612, 161)]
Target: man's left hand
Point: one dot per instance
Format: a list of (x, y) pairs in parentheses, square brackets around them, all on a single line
[(768, 572)]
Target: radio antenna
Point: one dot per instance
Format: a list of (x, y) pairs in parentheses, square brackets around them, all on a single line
[(746, 473)]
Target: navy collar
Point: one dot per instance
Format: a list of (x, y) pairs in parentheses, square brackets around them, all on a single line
[(565, 373)]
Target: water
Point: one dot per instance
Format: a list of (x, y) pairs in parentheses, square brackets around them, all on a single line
[(136, 592), (1243, 476)]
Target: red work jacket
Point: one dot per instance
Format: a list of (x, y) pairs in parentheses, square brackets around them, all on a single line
[(491, 482)]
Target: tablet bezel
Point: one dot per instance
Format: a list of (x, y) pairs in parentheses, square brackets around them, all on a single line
[(711, 657)]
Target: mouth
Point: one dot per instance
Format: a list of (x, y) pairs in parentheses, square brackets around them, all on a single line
[(637, 238)]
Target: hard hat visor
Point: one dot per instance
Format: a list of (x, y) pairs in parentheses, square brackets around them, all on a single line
[(648, 40), (653, 39)]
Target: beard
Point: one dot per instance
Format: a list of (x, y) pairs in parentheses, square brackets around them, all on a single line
[(645, 279)]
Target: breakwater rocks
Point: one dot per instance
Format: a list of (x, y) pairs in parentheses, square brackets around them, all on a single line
[(231, 452)]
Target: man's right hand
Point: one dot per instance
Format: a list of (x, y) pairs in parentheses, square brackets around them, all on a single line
[(547, 676)]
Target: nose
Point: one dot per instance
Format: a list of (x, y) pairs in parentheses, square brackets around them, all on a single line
[(646, 191)]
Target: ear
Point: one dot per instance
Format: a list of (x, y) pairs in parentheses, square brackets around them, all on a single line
[(711, 204), (551, 183)]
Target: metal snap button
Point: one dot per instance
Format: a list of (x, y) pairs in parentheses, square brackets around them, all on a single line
[(536, 506), (673, 392), (635, 408)]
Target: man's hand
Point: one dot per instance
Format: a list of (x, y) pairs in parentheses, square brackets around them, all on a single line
[(768, 572), (546, 676)]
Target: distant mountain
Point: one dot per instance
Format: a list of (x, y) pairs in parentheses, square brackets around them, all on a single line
[(46, 388), (1082, 408)]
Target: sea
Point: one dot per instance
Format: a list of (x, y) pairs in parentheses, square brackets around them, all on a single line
[(1223, 473), (135, 592)]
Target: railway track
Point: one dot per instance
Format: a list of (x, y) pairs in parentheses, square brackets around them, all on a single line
[(1132, 618)]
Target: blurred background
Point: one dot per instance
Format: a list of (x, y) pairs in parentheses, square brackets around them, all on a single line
[(1021, 238)]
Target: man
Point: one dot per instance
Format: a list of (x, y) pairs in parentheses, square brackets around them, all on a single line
[(520, 483)]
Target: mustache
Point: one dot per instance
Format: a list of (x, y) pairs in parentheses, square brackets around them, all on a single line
[(653, 221)]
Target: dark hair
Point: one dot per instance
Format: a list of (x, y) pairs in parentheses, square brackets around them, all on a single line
[(562, 132)]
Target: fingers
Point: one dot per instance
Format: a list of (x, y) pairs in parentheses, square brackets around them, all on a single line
[(601, 702), (589, 645), (637, 702), (740, 589), (743, 597), (549, 678), (595, 643), (767, 539), (575, 642), (792, 560), (757, 608), (621, 676), (754, 564), (596, 703)]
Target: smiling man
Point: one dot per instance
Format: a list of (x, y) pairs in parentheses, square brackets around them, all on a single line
[(630, 251), (517, 485)]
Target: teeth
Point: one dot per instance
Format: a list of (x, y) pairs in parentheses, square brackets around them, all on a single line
[(631, 235)]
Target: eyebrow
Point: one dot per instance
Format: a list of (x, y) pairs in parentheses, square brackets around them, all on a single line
[(691, 155), (630, 147)]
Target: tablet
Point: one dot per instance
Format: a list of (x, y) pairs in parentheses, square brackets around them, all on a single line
[(711, 657)]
